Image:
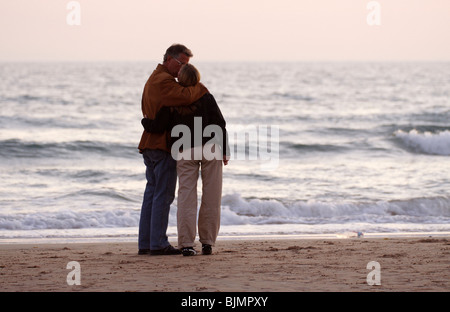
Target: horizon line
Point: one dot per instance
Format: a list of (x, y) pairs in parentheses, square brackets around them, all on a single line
[(230, 61)]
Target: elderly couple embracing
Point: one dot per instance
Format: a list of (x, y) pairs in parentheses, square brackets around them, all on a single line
[(172, 108)]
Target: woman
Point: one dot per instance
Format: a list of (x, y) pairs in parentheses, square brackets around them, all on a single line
[(196, 157)]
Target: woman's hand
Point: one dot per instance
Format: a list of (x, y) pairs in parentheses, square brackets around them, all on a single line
[(225, 159)]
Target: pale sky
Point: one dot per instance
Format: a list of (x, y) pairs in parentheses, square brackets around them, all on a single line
[(225, 30)]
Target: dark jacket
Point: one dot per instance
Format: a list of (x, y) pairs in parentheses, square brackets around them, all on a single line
[(206, 108)]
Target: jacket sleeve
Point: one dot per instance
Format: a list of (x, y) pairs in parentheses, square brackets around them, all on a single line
[(160, 123), (173, 94), (215, 117)]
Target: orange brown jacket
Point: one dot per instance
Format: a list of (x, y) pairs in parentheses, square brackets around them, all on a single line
[(161, 90)]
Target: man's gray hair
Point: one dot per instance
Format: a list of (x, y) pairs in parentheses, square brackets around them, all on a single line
[(176, 49)]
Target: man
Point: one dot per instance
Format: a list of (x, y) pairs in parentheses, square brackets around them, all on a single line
[(161, 90)]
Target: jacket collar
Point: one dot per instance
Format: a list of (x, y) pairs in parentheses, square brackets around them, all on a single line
[(162, 68)]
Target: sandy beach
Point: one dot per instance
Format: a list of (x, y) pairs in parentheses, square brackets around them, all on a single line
[(266, 265)]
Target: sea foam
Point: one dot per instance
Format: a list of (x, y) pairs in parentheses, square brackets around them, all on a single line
[(427, 142), (237, 210)]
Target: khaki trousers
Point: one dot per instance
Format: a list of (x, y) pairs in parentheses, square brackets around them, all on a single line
[(209, 213)]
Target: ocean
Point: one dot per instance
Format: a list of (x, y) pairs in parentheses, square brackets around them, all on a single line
[(351, 147)]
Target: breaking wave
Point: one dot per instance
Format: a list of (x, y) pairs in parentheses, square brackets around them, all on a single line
[(239, 211), (426, 142)]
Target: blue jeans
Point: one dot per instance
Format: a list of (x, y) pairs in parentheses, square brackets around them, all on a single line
[(159, 194)]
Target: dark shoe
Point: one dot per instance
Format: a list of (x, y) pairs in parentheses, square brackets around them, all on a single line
[(188, 251), (144, 252), (169, 250), (206, 249)]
